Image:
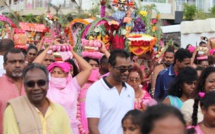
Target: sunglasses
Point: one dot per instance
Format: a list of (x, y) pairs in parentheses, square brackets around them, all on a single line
[(40, 83), (122, 69), (134, 79)]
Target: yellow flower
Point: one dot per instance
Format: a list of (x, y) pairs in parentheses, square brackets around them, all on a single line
[(143, 13), (154, 28)]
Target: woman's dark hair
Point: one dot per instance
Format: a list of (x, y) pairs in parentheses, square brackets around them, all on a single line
[(138, 70), (32, 47), (205, 102), (75, 68), (157, 112), (88, 59), (134, 116), (187, 75), (201, 82)]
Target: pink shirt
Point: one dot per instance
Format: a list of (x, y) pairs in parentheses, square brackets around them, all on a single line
[(67, 98), (8, 91)]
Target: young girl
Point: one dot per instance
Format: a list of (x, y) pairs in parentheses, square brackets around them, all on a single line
[(207, 104), (131, 122)]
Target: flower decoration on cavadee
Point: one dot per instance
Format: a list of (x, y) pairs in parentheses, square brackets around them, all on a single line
[(143, 13), (158, 16), (154, 21), (141, 43), (61, 52), (154, 28), (139, 26), (91, 48), (152, 25)]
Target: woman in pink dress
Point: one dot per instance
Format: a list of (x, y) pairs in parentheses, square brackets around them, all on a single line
[(142, 97), (94, 76), (64, 90), (207, 104)]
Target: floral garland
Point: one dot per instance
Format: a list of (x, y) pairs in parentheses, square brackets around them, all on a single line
[(71, 25)]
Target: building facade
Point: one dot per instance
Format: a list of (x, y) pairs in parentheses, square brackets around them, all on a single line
[(167, 8)]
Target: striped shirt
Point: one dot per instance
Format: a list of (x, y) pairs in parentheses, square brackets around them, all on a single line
[(8, 90)]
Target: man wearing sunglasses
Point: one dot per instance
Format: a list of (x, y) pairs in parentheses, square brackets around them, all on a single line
[(110, 98), (11, 82), (35, 113)]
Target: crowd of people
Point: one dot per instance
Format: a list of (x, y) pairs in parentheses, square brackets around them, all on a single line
[(116, 94)]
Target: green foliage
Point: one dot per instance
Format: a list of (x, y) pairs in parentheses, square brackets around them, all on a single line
[(212, 10), (200, 15), (95, 10), (189, 11), (65, 19)]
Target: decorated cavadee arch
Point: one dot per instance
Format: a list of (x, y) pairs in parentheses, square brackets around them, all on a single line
[(93, 36), (75, 28)]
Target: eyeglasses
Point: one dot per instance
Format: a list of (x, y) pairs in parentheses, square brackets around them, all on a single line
[(134, 79), (40, 83), (122, 69)]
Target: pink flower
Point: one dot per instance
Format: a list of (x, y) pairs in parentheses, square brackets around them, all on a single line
[(154, 21)]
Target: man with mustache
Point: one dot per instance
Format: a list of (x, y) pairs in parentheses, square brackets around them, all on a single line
[(11, 82), (168, 59)]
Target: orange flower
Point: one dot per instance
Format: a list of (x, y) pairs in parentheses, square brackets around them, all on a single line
[(106, 39), (154, 28)]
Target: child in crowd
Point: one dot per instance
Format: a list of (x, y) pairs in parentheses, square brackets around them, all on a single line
[(131, 122), (207, 104)]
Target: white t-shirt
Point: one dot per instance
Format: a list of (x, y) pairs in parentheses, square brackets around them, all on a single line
[(104, 102), (187, 111)]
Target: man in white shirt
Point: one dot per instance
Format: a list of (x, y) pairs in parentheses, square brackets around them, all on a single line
[(110, 98)]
